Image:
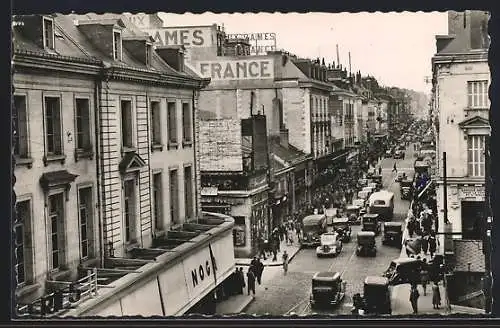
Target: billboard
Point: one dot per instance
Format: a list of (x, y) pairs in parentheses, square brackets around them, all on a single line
[(237, 69), (200, 36), (220, 145), (260, 43)]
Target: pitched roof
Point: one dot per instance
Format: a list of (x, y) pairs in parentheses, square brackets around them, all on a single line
[(290, 154)]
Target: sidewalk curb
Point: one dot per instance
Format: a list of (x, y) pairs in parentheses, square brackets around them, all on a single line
[(243, 306), (277, 263)]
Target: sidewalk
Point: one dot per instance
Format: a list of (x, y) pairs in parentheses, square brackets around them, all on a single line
[(400, 296), (234, 304), (292, 250)]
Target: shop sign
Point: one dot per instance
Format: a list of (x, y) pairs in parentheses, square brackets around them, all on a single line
[(185, 36), (238, 69), (471, 192), (260, 43)]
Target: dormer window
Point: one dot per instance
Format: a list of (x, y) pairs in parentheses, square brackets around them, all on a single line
[(48, 33), (148, 54), (117, 45)]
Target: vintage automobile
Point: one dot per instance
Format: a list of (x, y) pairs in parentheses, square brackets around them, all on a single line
[(403, 270), (399, 154), (359, 202), (327, 289), (362, 182), (377, 178), (366, 243), (313, 226), (388, 153), (342, 227), (382, 203), (369, 189), (406, 189), (352, 212), (330, 214), (331, 244), (400, 176), (421, 167), (363, 194), (393, 233), (376, 295), (371, 222), (375, 186)]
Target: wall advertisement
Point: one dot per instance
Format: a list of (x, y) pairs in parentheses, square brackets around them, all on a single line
[(237, 69), (201, 36), (182, 285), (260, 43), (474, 193)]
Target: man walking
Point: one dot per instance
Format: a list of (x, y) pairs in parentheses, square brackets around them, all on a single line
[(394, 168), (285, 262), (251, 281), (259, 268), (414, 295)]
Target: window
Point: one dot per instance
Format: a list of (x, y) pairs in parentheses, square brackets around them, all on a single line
[(475, 155), (174, 197), (48, 33), (82, 124), (172, 122), (22, 228), (477, 92), (148, 54), (186, 123), (188, 191), (130, 211), (155, 124), (56, 231), (86, 221), (53, 130), (158, 200), (117, 45), (20, 117), (127, 124)]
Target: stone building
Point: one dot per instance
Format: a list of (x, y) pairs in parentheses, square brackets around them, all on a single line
[(461, 78), (107, 173)]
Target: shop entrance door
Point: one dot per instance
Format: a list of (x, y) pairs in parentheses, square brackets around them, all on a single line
[(472, 216)]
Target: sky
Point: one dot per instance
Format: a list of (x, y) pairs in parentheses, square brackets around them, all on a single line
[(395, 48)]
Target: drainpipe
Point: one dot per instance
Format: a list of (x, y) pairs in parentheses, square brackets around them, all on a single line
[(97, 102), (195, 165)]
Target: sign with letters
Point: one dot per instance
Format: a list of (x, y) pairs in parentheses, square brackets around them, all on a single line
[(260, 43), (476, 193), (185, 36), (244, 69)]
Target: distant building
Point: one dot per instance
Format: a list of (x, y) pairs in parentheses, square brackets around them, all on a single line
[(461, 79)]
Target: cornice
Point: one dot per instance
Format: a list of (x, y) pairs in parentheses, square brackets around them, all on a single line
[(57, 63)]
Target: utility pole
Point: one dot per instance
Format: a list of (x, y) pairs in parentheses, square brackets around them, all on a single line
[(446, 223), (487, 229), (338, 62)]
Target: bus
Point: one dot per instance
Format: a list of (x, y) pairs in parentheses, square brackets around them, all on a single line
[(382, 203), (313, 226)]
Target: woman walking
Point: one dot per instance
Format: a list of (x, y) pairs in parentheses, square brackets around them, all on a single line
[(436, 296), (414, 295), (285, 262)]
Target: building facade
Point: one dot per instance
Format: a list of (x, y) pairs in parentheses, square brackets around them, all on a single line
[(106, 166), (461, 79)]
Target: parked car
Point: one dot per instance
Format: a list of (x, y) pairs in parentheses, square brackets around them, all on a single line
[(393, 233), (403, 270), (327, 289), (331, 244)]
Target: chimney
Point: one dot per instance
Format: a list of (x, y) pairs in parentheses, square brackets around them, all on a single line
[(284, 138), (173, 56)]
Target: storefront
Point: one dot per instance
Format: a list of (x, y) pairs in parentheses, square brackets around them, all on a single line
[(176, 281)]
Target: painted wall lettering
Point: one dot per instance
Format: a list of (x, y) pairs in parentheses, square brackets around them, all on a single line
[(238, 69), (188, 37), (200, 273), (260, 43)]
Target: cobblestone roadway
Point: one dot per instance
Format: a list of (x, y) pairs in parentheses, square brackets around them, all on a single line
[(281, 294)]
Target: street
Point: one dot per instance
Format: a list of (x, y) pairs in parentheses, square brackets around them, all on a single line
[(279, 294)]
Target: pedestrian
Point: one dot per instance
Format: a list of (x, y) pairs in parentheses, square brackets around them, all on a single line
[(258, 270), (424, 275), (241, 277), (253, 263), (436, 296), (394, 168), (380, 170), (290, 236), (275, 253), (251, 281), (432, 243), (425, 244), (234, 283), (414, 295), (285, 262)]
